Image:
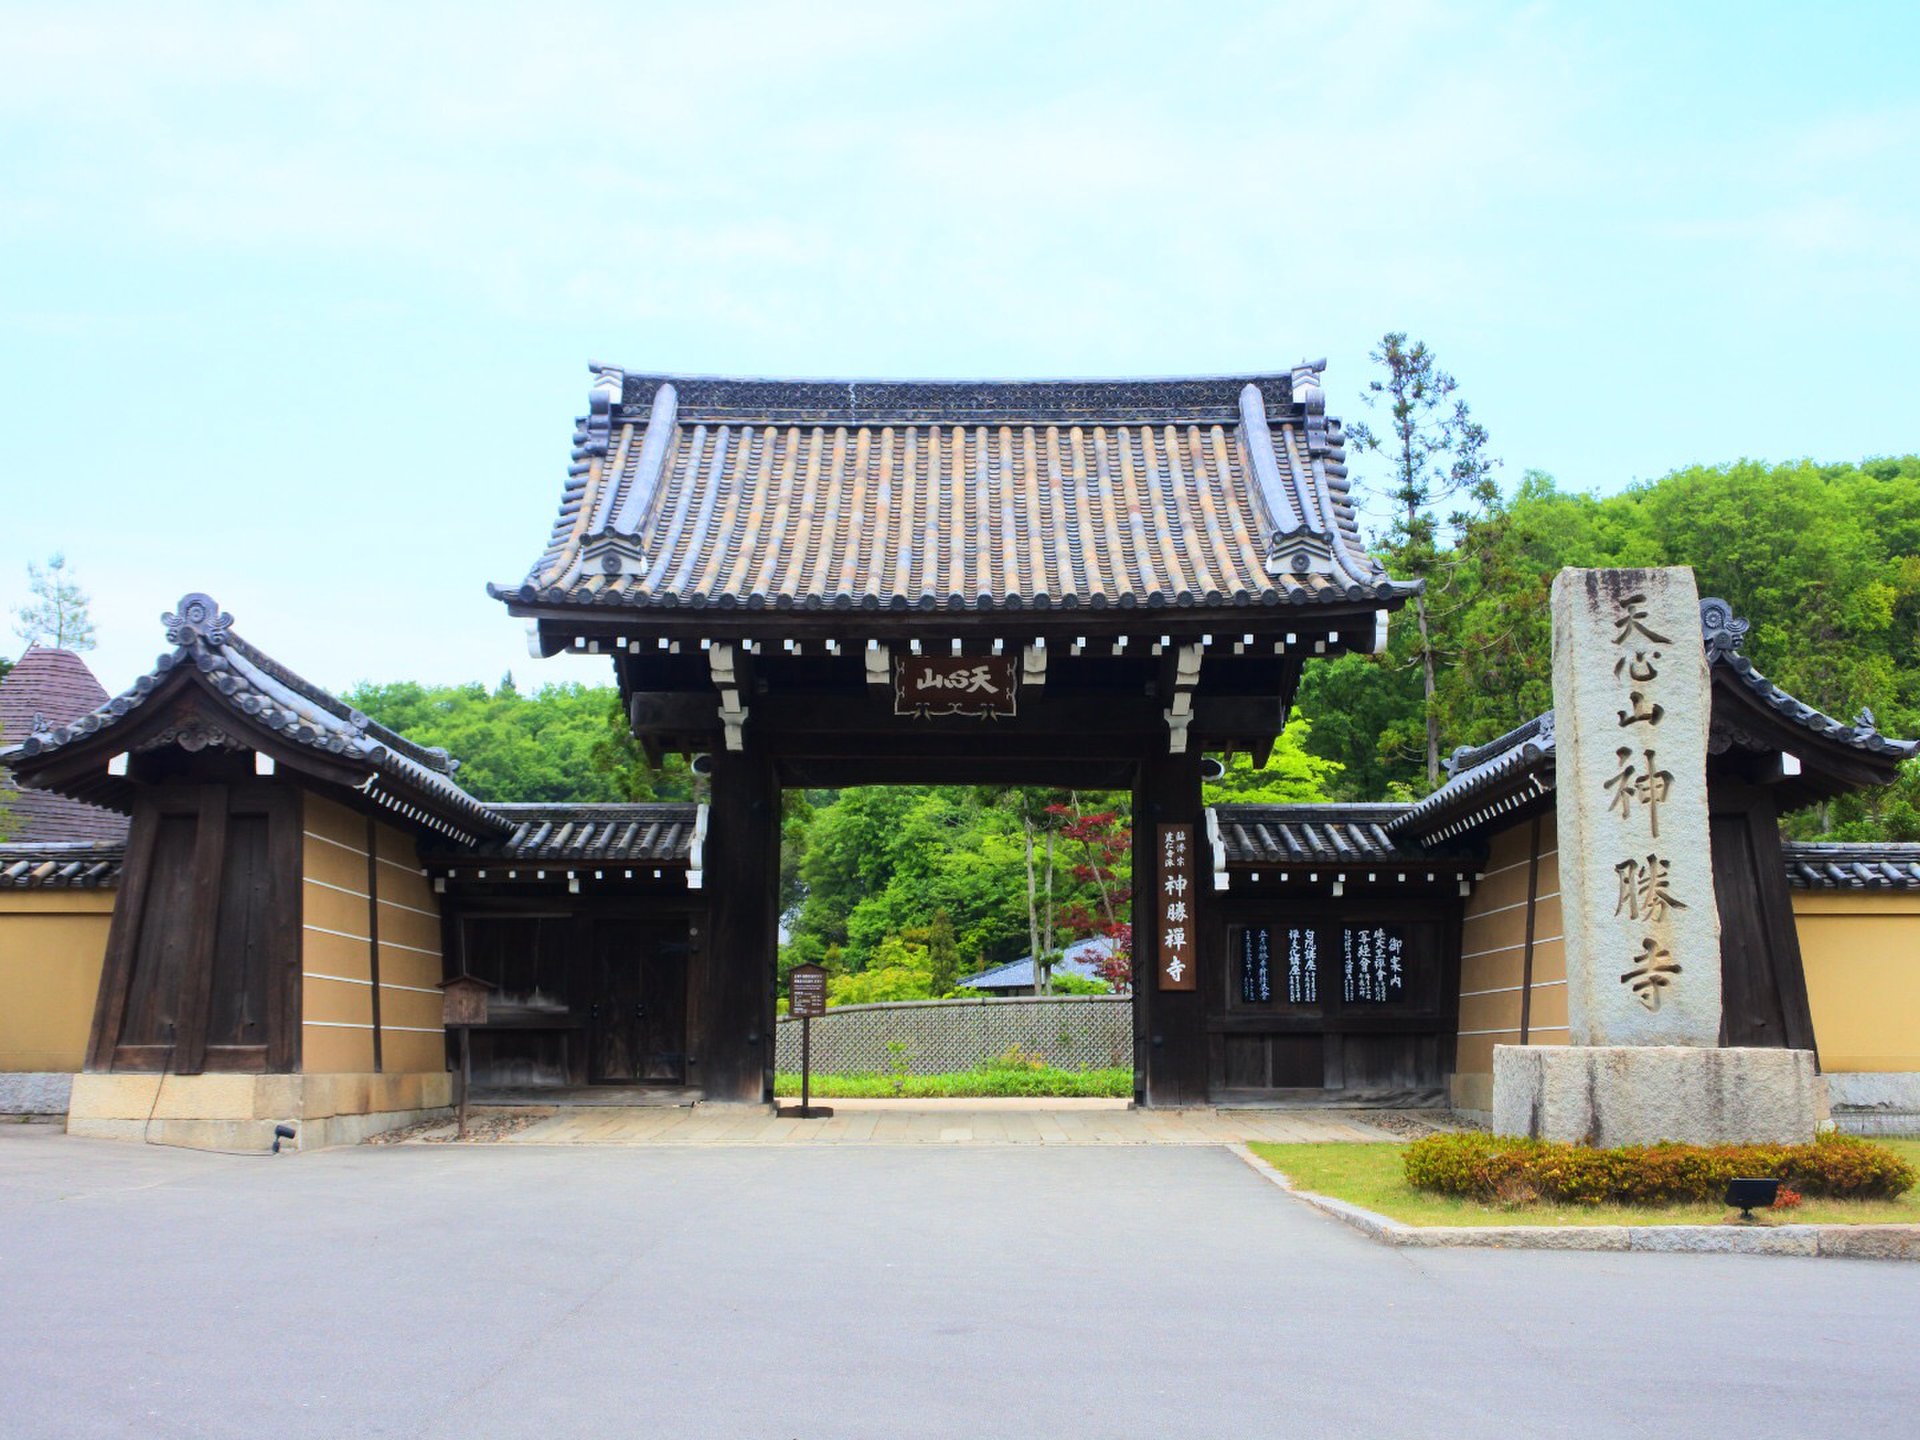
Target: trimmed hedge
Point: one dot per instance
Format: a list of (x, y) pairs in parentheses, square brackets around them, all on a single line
[(1507, 1170), (963, 1084)]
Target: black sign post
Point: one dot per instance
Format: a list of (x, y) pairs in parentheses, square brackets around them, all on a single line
[(806, 998)]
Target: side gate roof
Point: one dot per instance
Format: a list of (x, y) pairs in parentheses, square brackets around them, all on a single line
[(243, 698)]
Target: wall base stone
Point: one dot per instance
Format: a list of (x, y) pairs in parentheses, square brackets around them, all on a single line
[(238, 1112), (1642, 1094), (1471, 1093), (35, 1092), (1875, 1102)]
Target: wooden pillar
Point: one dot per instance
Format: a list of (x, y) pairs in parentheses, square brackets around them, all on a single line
[(735, 1044), (1169, 1027)]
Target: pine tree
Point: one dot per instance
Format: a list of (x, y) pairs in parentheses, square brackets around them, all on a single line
[(1435, 451), (57, 616)]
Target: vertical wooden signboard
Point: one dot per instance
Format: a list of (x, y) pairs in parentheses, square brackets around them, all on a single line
[(463, 1005), (1176, 900)]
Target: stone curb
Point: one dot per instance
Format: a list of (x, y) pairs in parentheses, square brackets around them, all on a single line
[(1854, 1242)]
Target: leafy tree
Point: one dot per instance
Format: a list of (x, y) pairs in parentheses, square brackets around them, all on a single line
[(1435, 451), (58, 615), (562, 743), (884, 861), (1116, 967), (1835, 611), (943, 953), (1293, 775), (901, 970), (1065, 982)]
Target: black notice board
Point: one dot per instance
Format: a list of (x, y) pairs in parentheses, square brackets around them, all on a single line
[(1256, 965), (1372, 961), (1303, 965), (1287, 960)]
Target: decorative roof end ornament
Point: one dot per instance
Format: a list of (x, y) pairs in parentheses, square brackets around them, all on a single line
[(1299, 552), (595, 432), (1721, 630), (1296, 547), (1312, 401), (197, 621), (614, 556)]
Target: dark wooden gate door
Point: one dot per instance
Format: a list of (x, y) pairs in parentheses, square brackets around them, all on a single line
[(1763, 983), (640, 1003)]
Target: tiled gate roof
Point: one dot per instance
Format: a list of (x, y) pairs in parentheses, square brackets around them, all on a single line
[(955, 496)]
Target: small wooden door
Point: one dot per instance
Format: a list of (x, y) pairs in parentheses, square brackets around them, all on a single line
[(1763, 981), (639, 1008)]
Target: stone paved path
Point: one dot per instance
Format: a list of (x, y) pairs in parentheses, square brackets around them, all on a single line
[(886, 1122), (867, 1292)]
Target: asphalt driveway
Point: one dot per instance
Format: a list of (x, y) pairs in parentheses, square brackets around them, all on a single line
[(861, 1291)]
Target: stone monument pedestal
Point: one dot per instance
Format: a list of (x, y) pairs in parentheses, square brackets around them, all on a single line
[(1642, 1094)]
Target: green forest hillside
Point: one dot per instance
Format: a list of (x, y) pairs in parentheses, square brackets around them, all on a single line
[(1823, 560)]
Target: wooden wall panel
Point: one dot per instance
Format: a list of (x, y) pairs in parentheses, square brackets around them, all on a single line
[(1512, 962), (336, 991), (1491, 1010), (332, 1050), (1861, 949), (416, 1052), (340, 956), (362, 908), (327, 1001)]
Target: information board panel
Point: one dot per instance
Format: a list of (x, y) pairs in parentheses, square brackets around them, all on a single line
[(1371, 958), (807, 991)]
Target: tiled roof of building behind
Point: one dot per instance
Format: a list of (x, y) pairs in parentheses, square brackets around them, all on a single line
[(1282, 835), (955, 496), (1827, 865), (61, 866), (54, 687), (1081, 959)]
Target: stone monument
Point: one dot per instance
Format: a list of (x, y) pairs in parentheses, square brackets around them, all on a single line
[(1632, 700)]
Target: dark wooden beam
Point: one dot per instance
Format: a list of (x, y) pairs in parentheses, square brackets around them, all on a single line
[(1350, 624), (780, 716), (373, 930), (817, 772), (1170, 1027), (742, 865)]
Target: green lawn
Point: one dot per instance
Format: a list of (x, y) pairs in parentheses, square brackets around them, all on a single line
[(964, 1084), (1370, 1176)]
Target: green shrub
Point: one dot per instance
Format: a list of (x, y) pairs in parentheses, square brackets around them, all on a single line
[(1506, 1170), (1015, 1059)]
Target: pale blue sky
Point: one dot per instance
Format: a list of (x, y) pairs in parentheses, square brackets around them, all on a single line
[(296, 302)]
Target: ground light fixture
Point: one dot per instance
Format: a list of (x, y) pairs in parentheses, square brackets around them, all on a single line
[(281, 1132), (1750, 1195)]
